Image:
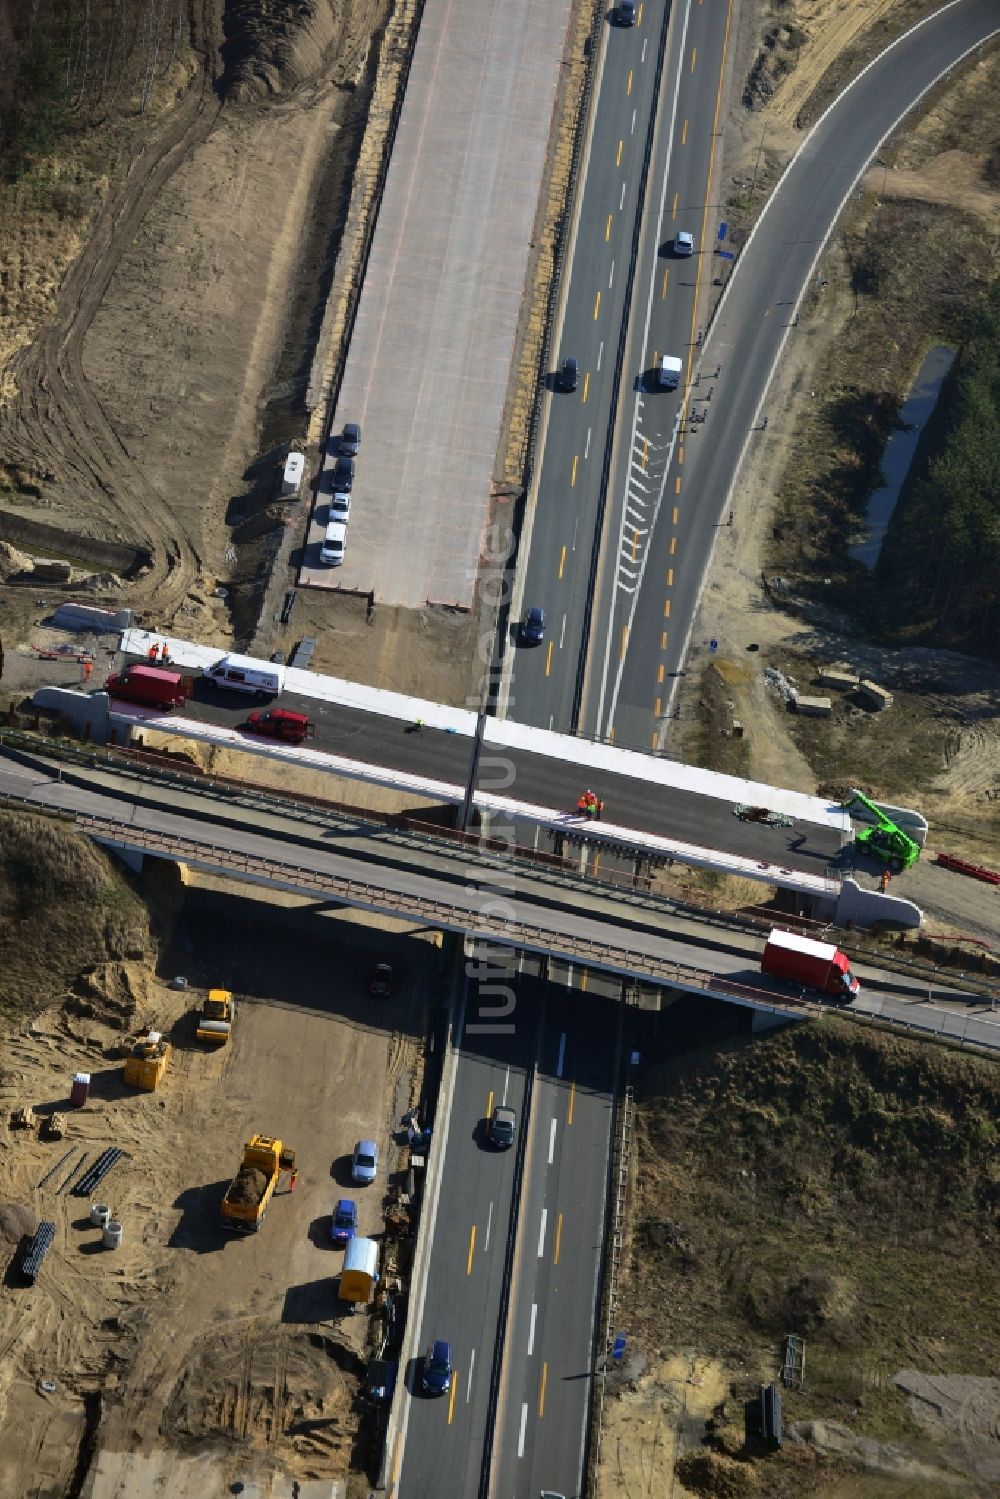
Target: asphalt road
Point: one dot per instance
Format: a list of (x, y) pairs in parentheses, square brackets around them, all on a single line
[(666, 499), (565, 514), (385, 872), (630, 695), (561, 1044), (540, 780), (547, 1373), (444, 1436)]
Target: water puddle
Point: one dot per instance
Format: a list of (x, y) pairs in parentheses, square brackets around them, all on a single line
[(899, 451)]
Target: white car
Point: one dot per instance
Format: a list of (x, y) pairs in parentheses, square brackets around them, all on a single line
[(340, 506), (683, 243)]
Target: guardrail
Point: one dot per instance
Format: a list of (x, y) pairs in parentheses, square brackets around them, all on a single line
[(638, 896), (621, 958)]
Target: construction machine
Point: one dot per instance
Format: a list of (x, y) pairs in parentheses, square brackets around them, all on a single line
[(249, 1193), (216, 1019), (885, 840), (147, 1061)]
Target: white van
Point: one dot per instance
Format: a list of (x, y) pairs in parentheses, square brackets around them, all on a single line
[(246, 674), (332, 551), (668, 372)]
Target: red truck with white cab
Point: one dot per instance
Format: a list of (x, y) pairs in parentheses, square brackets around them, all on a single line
[(803, 960), (153, 686)]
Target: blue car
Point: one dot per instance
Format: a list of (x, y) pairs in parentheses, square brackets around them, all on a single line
[(436, 1378), (344, 1223), (533, 627)]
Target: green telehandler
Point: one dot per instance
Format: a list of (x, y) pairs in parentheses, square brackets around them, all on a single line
[(885, 840)]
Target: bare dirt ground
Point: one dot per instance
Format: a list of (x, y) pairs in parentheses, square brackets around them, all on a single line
[(138, 408), (228, 1357)]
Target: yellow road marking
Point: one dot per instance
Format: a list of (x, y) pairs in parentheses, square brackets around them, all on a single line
[(583, 979), (397, 1457), (607, 232), (666, 609), (680, 456), (673, 210), (673, 545), (576, 460), (639, 18), (654, 741), (472, 1250), (489, 1104), (677, 485), (628, 86), (657, 707), (618, 158), (597, 306), (635, 543), (611, 734), (666, 282), (562, 562), (645, 452), (572, 1100), (660, 675), (597, 864), (624, 644), (670, 577), (677, 514), (548, 658), (663, 640), (451, 1401), (684, 133), (694, 57), (541, 1396), (555, 1255), (586, 385)]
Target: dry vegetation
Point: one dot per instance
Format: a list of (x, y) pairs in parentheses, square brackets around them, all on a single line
[(65, 910), (829, 1182)]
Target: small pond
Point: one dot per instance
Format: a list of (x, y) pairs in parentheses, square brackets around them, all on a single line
[(899, 451)]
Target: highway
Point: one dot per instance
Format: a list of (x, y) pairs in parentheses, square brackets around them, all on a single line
[(565, 513), (558, 1047), (665, 500), (746, 338)]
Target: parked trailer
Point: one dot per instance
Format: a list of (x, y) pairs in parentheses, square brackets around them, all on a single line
[(802, 960), (359, 1276)]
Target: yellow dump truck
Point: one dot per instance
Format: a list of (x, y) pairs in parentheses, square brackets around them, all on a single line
[(216, 1019), (147, 1061), (251, 1189), (359, 1276)]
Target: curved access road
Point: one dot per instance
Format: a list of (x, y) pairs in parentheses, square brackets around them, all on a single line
[(630, 690)]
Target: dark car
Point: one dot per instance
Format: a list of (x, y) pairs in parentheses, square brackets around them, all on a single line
[(380, 982), (343, 475), (344, 1223), (569, 374), (436, 1378), (350, 439), (533, 627), (503, 1124), (626, 12)]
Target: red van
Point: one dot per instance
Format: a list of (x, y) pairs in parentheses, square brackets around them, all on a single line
[(281, 723), (150, 685)]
